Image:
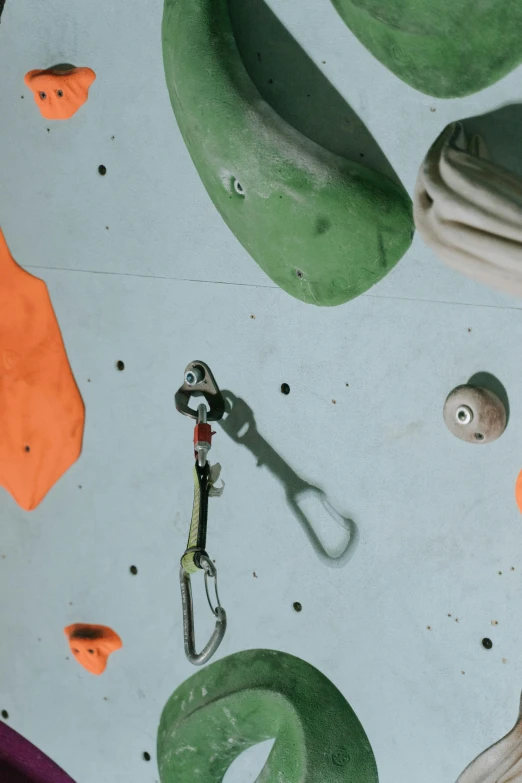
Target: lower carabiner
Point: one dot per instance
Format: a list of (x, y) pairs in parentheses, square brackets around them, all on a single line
[(198, 659)]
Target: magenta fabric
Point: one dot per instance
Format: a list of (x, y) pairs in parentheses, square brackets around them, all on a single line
[(22, 762)]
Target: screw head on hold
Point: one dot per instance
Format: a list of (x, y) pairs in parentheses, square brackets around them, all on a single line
[(463, 414)]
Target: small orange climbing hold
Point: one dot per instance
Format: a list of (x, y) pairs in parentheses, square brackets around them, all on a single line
[(60, 91), (91, 645), (518, 491), (41, 410)]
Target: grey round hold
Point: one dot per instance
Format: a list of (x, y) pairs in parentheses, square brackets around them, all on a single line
[(474, 414)]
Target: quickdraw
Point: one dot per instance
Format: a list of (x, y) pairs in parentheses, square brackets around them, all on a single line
[(199, 381)]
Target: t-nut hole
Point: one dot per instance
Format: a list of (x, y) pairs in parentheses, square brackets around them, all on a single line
[(59, 93), (43, 95), (479, 436)]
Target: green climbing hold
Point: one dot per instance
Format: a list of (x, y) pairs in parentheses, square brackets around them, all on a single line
[(323, 228), (257, 695), (445, 48)]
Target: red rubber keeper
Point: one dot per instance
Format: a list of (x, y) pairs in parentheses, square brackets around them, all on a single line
[(202, 433)]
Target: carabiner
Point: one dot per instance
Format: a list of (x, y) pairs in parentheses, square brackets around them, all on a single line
[(198, 659)]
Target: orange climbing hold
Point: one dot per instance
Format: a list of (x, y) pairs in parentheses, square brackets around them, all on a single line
[(41, 410), (60, 91), (91, 645), (518, 491)]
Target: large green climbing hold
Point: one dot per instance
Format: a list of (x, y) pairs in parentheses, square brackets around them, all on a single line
[(254, 696), (323, 228), (445, 48)]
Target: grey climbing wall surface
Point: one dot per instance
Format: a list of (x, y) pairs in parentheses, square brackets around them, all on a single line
[(142, 270)]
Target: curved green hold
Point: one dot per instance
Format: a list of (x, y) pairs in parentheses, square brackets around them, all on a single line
[(445, 48), (257, 695), (323, 228)]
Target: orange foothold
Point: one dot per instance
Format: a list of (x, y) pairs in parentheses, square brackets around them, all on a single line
[(91, 645), (60, 91), (518, 492), (41, 410)]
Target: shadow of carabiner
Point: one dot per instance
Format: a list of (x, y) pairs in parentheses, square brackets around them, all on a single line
[(240, 425)]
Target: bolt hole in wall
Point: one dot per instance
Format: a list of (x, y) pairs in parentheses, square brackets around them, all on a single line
[(5, 714), (285, 388), (133, 570), (102, 170), (247, 766), (120, 365), (487, 643), (146, 756), (297, 606)]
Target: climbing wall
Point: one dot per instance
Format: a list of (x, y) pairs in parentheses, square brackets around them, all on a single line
[(417, 623)]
